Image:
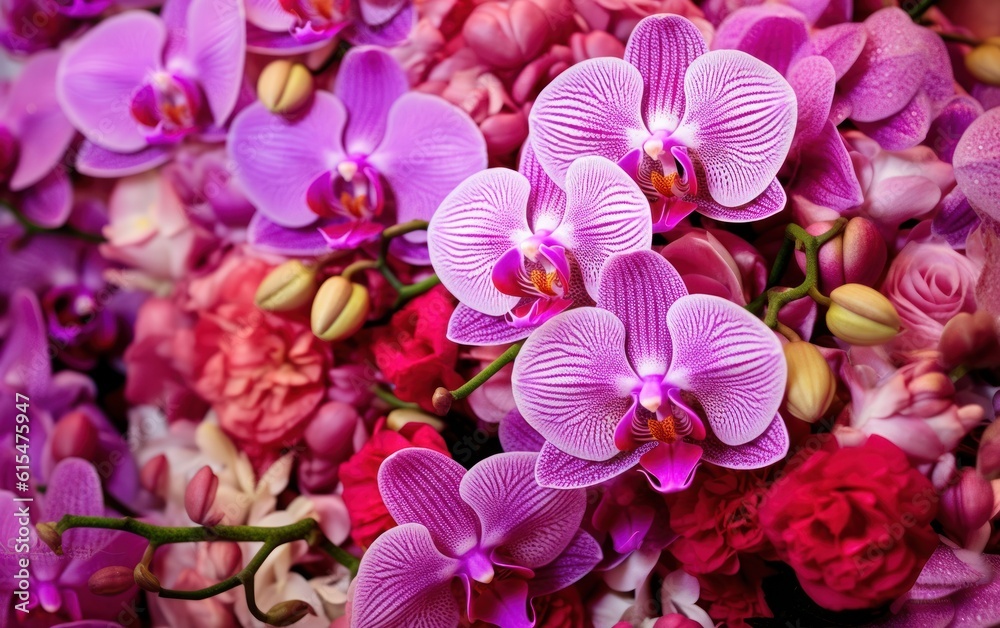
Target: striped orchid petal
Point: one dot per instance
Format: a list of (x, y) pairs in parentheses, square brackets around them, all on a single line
[(480, 221), (740, 121), (730, 361), (766, 449), (558, 469), (572, 382), (977, 164)]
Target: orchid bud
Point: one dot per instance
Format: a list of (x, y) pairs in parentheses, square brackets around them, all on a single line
[(289, 612), (339, 309), (857, 255), (155, 476), (225, 557), (75, 436), (199, 497), (396, 419), (330, 432), (811, 384), (442, 400), (50, 535), (287, 287), (145, 579), (111, 581), (983, 62), (966, 505), (284, 86), (861, 315), (970, 339)]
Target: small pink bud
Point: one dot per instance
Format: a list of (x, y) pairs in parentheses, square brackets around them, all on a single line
[(857, 255), (155, 476), (504, 132), (442, 401), (287, 613), (226, 557), (329, 433), (966, 505), (972, 340), (200, 497), (111, 580), (75, 437)]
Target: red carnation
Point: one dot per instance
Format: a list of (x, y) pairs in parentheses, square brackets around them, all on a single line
[(369, 517), (414, 353), (853, 522)]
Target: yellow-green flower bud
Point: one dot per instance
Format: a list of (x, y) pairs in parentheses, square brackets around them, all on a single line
[(861, 316), (399, 417), (811, 384), (339, 309), (983, 62), (288, 286), (288, 612), (284, 86)]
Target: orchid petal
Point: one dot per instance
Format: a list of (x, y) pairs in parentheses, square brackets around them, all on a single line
[(504, 602), (775, 34), (278, 158), (48, 202), (527, 524), (269, 15), (430, 146), (516, 435), (766, 449), (471, 327), (368, 83), (379, 11), (217, 43), (730, 361), (95, 161), (482, 219), (74, 488), (814, 83), (662, 47), (826, 174), (606, 213), (950, 125), (24, 361), (670, 467), (740, 120), (579, 558), (955, 219), (557, 469), (404, 581), (977, 164), (639, 288), (547, 201), (387, 34), (270, 237), (841, 44), (593, 108), (908, 127), (99, 73), (572, 381), (422, 486), (770, 202)]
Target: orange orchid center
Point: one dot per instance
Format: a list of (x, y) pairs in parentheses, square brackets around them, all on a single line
[(663, 430)]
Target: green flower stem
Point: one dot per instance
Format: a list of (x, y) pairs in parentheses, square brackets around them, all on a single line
[(392, 399), (405, 291), (921, 7), (66, 230), (777, 272), (484, 375)]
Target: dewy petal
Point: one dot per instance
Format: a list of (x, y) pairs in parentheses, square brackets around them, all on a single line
[(740, 120), (576, 561), (977, 164), (547, 201), (593, 108), (950, 125), (430, 146), (670, 467), (841, 44), (826, 174), (471, 327), (606, 213), (572, 381), (730, 361), (557, 469), (775, 34), (526, 525), (639, 288), (216, 45), (662, 47), (278, 158), (422, 486), (903, 129), (405, 581), (482, 219), (368, 83), (98, 74), (94, 161), (766, 449), (814, 82)]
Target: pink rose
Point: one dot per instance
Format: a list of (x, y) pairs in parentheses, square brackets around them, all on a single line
[(509, 34), (929, 284)]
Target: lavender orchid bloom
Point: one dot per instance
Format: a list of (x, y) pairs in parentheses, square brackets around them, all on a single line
[(34, 135), (699, 130), (505, 539), (369, 154), (628, 382), (284, 27), (138, 84), (516, 250)]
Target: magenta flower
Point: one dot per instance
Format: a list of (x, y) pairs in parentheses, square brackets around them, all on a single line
[(287, 27), (367, 155), (629, 381), (138, 84), (34, 134), (699, 130), (516, 250), (503, 538)]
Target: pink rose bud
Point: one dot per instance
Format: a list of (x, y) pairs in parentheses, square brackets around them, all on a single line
[(111, 580), (504, 132), (329, 434), (970, 339), (966, 505), (155, 476), (508, 35), (226, 558), (200, 497), (75, 437), (857, 255)]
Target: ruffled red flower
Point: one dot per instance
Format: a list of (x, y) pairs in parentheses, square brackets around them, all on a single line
[(733, 599)]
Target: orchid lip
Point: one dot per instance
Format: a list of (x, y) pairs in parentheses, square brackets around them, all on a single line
[(479, 567)]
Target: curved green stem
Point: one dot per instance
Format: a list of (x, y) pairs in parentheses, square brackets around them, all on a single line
[(392, 399), (404, 291), (484, 375)]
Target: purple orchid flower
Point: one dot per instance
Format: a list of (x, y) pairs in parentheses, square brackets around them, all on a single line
[(516, 250), (22, 33), (284, 27), (368, 155), (34, 135), (505, 539), (137, 84), (698, 130), (819, 12), (628, 382)]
